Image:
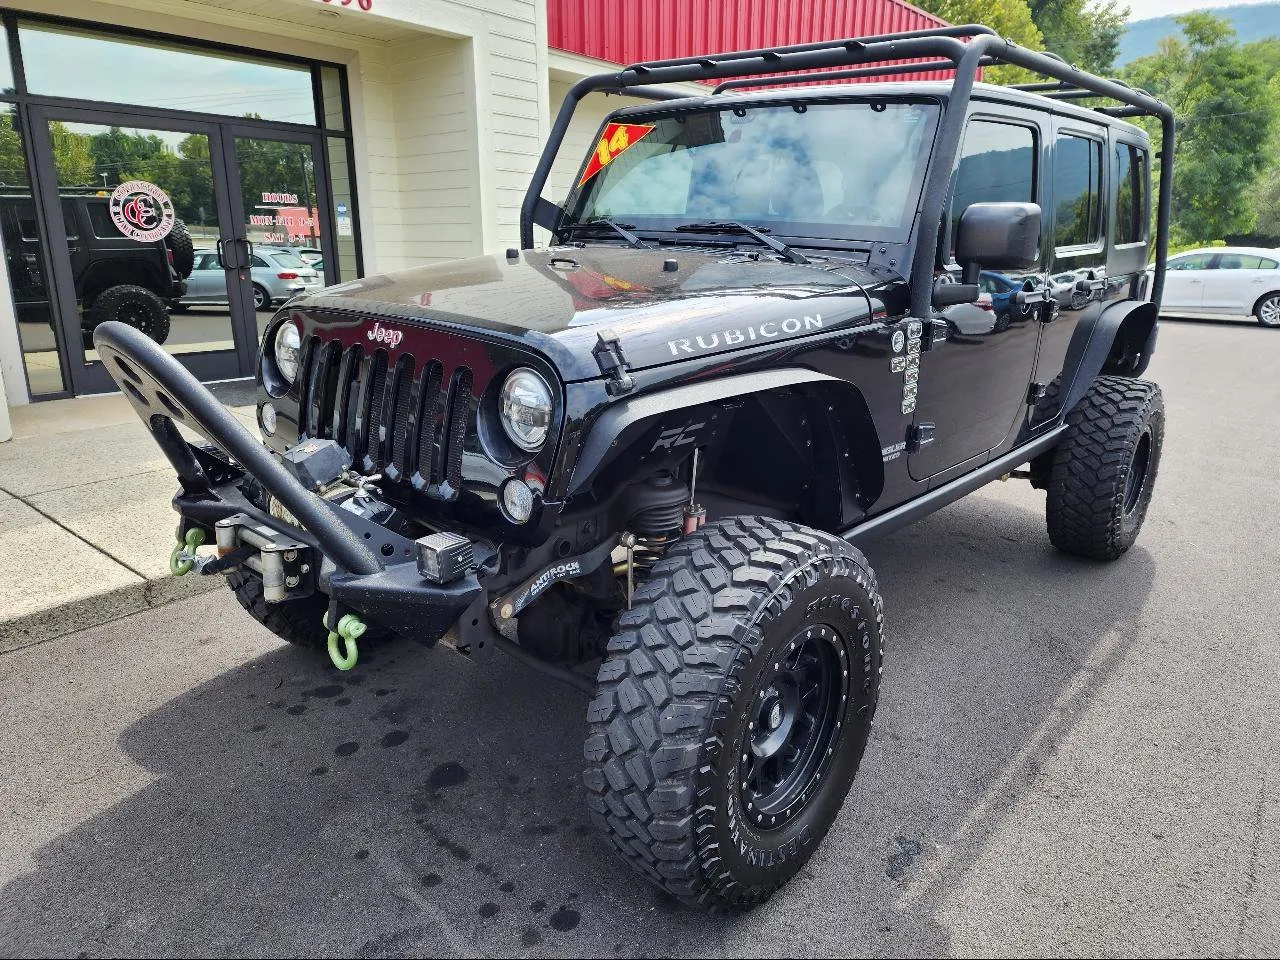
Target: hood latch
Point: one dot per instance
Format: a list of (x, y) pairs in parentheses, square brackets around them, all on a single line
[(608, 354)]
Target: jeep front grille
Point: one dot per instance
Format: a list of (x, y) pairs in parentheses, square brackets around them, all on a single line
[(407, 419)]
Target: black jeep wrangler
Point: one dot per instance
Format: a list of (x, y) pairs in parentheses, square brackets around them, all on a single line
[(755, 341), (116, 277)]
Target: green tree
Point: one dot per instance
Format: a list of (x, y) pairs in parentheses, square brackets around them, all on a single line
[(1225, 116), (1083, 32), (1264, 195), (72, 155), (1009, 18)]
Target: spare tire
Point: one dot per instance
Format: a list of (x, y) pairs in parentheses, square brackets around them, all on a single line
[(134, 305), (184, 252)]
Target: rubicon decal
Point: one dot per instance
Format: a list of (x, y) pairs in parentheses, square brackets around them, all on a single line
[(381, 334), (732, 337), (616, 138)]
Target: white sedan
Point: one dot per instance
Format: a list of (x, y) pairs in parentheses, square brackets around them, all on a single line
[(1224, 281)]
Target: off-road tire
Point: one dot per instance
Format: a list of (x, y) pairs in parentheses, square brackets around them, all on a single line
[(709, 630), (1104, 469), (184, 253), (134, 305), (300, 622)]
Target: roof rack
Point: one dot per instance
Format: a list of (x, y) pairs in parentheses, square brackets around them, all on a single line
[(964, 49)]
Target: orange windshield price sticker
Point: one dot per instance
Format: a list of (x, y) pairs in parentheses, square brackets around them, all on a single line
[(616, 138)]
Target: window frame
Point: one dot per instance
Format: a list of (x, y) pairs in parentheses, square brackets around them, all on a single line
[(1143, 168), (1037, 177), (1098, 137)]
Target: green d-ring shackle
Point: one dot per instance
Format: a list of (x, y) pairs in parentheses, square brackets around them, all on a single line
[(350, 629), (179, 566)]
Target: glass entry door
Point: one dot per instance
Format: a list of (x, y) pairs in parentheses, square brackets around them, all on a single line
[(191, 231), (277, 203)]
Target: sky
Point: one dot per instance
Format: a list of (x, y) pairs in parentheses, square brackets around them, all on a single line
[(1146, 9)]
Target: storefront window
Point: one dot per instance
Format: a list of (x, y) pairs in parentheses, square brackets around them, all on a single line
[(62, 62), (24, 260), (331, 92)]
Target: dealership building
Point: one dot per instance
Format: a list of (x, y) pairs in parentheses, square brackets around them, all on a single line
[(296, 143)]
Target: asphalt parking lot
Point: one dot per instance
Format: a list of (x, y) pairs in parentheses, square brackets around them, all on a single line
[(1069, 758)]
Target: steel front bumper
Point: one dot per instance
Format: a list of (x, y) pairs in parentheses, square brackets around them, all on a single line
[(359, 564)]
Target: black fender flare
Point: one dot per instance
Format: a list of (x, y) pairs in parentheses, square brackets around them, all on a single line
[(624, 421), (1119, 340)]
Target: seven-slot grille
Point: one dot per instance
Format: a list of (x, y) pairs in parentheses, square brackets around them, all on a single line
[(402, 418)]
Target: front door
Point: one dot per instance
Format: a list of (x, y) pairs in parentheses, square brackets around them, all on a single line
[(972, 385), (192, 231)]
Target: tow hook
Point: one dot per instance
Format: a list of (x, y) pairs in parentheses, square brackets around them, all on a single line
[(183, 557), (350, 629)]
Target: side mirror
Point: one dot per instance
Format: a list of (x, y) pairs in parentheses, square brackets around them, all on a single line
[(1003, 236)]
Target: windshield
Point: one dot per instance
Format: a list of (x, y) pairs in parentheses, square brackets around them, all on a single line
[(848, 170), (287, 259)]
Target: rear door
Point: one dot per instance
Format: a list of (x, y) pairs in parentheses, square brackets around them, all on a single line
[(972, 386), (1234, 282)]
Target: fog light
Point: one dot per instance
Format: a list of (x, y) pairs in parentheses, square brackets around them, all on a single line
[(267, 417), (517, 500), (444, 557)]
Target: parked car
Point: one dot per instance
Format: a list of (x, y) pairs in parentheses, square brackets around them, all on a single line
[(278, 275), (656, 445), (116, 277), (1225, 281)]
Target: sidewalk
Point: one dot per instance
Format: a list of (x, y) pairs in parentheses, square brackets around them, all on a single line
[(86, 524)]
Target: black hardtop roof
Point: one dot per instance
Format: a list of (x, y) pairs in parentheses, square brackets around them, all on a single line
[(938, 89)]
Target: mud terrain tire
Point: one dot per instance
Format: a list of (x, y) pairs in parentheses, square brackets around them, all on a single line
[(705, 673)]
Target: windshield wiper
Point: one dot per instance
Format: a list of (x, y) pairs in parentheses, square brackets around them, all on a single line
[(733, 226), (618, 228)]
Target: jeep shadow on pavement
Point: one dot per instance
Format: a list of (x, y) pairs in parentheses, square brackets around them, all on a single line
[(757, 339)]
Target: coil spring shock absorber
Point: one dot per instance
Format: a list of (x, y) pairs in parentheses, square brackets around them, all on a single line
[(656, 520)]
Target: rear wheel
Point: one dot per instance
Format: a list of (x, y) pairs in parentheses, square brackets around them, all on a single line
[(733, 707), (134, 305), (1104, 469), (261, 299), (1268, 310)]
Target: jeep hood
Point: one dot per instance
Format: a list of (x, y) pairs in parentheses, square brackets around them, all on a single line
[(557, 301)]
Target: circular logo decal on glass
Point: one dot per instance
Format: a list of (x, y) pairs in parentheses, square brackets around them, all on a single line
[(899, 341), (141, 211)]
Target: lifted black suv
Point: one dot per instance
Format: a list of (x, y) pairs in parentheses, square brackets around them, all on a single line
[(116, 277), (758, 339)]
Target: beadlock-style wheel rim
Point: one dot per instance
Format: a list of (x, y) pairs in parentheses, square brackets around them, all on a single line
[(1269, 311), (794, 727), (1136, 481)]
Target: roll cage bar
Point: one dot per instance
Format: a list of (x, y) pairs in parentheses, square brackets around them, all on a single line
[(964, 49)]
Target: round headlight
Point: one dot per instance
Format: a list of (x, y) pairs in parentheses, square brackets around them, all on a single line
[(524, 406), (288, 351)]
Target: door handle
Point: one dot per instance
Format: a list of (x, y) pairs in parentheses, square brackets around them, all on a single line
[(248, 250), (221, 247)]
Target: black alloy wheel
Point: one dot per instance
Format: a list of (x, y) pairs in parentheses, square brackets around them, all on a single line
[(798, 719)]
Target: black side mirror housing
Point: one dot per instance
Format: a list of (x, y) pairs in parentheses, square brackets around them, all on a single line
[(1002, 236)]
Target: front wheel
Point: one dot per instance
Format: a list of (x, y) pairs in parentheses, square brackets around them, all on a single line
[(1268, 310), (134, 305), (1104, 469), (733, 707)]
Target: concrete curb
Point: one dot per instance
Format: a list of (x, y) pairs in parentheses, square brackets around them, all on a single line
[(62, 619)]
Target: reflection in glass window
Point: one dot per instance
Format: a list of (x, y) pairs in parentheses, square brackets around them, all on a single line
[(831, 170), (25, 259), (1131, 194), (997, 165), (63, 62), (1195, 261), (340, 182), (1077, 191)]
